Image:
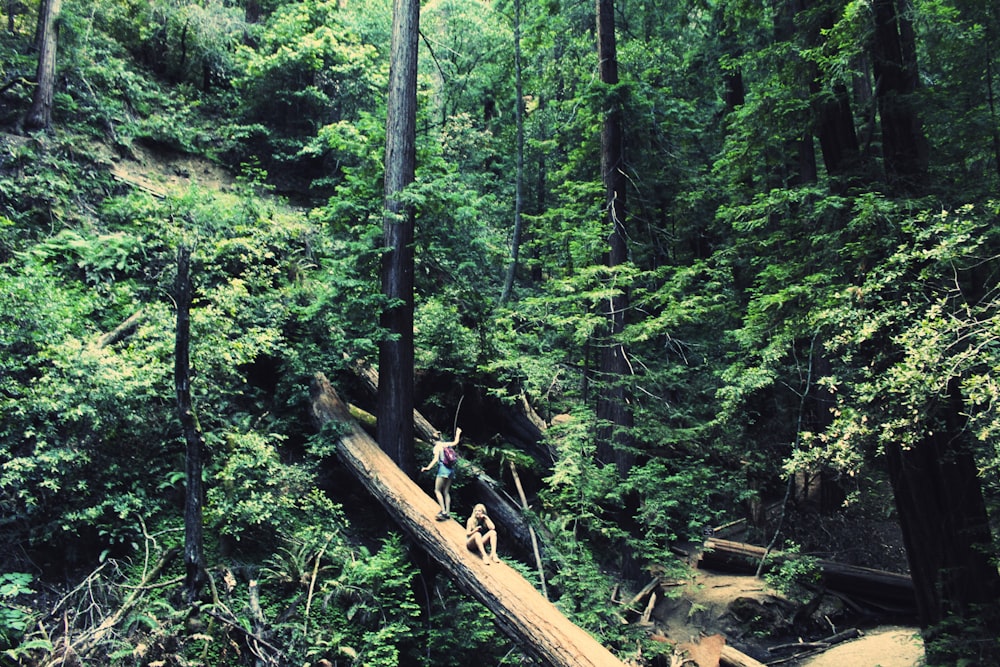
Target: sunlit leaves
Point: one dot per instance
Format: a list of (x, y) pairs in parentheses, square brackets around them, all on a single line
[(934, 315)]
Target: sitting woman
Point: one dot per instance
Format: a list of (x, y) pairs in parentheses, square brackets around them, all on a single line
[(482, 533)]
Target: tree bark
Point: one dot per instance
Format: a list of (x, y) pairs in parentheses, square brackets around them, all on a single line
[(515, 244), (614, 415), (39, 116), (395, 399), (612, 404), (905, 151), (521, 612), (194, 562), (797, 165), (947, 535), (831, 105)]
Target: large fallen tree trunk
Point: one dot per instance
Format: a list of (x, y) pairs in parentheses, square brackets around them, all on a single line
[(886, 590), (521, 612), (512, 523)]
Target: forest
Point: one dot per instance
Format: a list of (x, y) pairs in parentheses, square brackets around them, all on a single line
[(667, 265)]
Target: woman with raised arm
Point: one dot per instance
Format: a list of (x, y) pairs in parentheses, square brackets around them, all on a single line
[(445, 473)]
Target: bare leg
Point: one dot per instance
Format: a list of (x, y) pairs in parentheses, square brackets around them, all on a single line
[(446, 492), (491, 539), (440, 490), (477, 541)]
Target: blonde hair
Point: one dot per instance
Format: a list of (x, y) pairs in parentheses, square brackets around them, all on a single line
[(479, 506)]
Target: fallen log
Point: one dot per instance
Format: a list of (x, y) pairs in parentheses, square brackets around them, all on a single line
[(732, 657), (888, 590), (809, 649), (122, 331), (520, 611), (822, 644)]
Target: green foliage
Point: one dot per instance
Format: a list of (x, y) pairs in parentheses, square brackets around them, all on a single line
[(461, 630), (773, 325), (442, 342), (678, 501), (362, 603), (922, 308), (794, 574), (579, 486), (305, 70), (14, 619), (252, 493)]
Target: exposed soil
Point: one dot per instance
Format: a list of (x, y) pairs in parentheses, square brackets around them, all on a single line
[(750, 615), (162, 171)]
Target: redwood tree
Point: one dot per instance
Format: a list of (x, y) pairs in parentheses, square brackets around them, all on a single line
[(39, 116), (395, 397), (612, 406), (894, 61), (947, 535), (194, 562)]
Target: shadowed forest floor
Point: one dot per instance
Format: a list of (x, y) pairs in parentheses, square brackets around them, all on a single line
[(705, 606)]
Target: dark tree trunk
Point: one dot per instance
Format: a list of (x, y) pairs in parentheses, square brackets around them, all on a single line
[(947, 535), (252, 11), (834, 121), (798, 162), (837, 138), (193, 540), (614, 416), (515, 244), (182, 61), (905, 152), (991, 102), (395, 398), (39, 116), (734, 90), (612, 406)]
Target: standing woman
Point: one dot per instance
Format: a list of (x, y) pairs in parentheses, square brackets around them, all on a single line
[(481, 533), (445, 474)]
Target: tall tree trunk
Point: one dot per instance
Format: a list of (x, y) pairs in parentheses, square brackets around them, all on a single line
[(612, 404), (948, 540), (905, 151), (395, 398), (614, 416), (39, 116), (991, 90), (831, 104), (515, 244), (541, 177), (193, 540), (838, 140), (797, 165)]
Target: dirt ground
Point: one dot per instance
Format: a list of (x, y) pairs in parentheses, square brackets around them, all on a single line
[(704, 606), (887, 646), (162, 171)]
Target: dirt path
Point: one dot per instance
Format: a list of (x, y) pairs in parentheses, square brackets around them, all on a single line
[(887, 646), (703, 606)]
